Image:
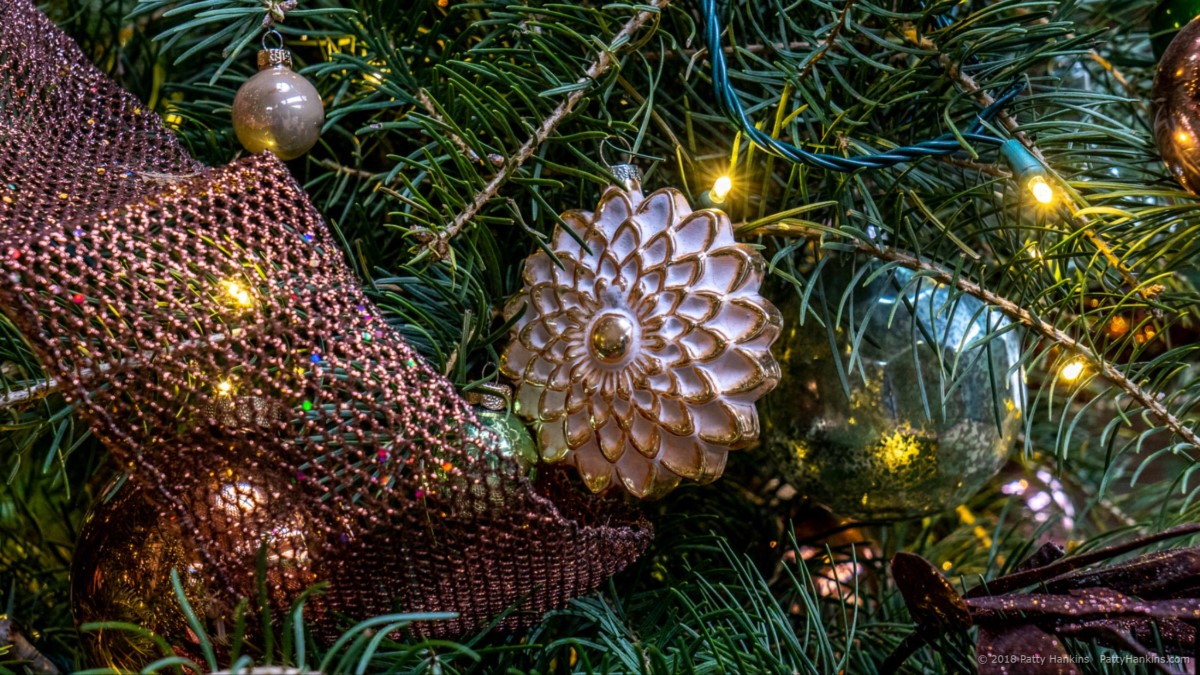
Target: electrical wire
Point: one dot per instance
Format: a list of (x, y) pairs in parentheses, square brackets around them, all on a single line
[(727, 98)]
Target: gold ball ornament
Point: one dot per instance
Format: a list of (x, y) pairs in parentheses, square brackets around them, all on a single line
[(1176, 102), (641, 347), (130, 544), (277, 109)]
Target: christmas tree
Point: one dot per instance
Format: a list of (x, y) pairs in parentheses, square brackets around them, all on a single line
[(681, 336)]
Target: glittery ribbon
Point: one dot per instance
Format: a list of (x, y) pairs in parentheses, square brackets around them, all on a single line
[(205, 324)]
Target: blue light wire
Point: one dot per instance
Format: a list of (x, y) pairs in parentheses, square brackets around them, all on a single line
[(947, 144)]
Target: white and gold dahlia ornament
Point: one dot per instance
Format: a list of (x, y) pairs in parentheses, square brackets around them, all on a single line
[(640, 352)]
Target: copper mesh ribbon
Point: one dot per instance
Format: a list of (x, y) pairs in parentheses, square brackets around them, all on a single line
[(206, 325)]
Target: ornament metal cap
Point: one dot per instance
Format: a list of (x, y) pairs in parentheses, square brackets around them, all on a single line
[(269, 58), (628, 176)]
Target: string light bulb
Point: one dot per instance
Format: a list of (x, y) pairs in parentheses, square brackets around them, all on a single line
[(225, 387), (1028, 171), (239, 294), (1041, 190), (1072, 371), (720, 189)]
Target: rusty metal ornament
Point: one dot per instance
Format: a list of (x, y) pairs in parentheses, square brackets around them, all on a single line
[(640, 348)]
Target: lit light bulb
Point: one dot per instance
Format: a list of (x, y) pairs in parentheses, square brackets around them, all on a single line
[(224, 387), (1072, 371), (239, 294), (720, 189), (1041, 190)]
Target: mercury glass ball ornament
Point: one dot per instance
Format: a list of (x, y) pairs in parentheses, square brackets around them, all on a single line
[(1176, 102), (929, 415), (278, 109), (122, 572)]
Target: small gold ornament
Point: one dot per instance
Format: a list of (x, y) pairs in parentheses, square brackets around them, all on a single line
[(640, 353), (278, 109)]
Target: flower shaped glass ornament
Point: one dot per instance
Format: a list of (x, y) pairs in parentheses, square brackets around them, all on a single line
[(641, 346)]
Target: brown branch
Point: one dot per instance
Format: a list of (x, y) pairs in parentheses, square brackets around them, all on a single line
[(427, 103), (44, 388), (32, 392), (691, 54), (990, 169), (23, 650), (1137, 96), (1012, 310), (357, 173), (438, 244), (827, 44)]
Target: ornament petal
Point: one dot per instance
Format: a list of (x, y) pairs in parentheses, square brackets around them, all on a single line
[(702, 344), (568, 241), (685, 458), (596, 471), (611, 439), (657, 251), (645, 436), (697, 234), (660, 210), (552, 441), (615, 208)]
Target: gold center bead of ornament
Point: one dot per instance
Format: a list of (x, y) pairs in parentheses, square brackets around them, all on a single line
[(612, 335)]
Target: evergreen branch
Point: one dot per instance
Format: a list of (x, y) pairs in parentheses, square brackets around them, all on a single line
[(438, 244), (459, 143), (1147, 399), (1081, 223), (1128, 86)]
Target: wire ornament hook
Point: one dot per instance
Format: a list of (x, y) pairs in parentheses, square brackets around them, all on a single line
[(278, 38)]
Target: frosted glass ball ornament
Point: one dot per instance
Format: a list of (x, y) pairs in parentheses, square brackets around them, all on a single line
[(277, 109)]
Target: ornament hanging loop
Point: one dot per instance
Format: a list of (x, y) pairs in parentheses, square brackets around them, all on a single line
[(272, 34), (628, 175)]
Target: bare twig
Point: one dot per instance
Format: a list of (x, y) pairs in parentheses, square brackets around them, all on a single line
[(438, 243), (1137, 96), (827, 43), (23, 650), (33, 392), (432, 110), (690, 54), (49, 386), (351, 171)]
